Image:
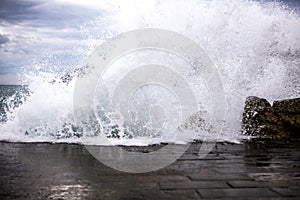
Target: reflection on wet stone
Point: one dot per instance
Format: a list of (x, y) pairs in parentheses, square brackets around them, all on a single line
[(61, 171)]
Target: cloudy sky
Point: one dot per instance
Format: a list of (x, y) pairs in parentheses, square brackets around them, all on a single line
[(58, 35), (45, 34)]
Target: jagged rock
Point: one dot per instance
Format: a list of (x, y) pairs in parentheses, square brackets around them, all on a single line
[(280, 121), (287, 106)]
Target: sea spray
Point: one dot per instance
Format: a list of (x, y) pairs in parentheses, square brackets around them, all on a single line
[(254, 45)]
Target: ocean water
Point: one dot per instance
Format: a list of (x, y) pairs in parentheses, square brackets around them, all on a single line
[(255, 46)]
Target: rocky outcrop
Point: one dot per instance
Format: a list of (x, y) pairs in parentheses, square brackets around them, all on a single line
[(280, 121)]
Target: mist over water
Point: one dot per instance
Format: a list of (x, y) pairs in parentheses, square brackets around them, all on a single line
[(254, 45)]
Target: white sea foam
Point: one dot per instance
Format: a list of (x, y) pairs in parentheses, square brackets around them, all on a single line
[(255, 46)]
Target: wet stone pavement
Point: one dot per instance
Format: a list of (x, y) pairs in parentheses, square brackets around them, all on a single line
[(253, 170)]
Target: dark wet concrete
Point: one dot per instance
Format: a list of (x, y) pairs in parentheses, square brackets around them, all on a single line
[(256, 169)]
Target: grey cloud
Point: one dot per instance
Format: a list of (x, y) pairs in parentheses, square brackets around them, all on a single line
[(36, 37), (14, 11), (3, 39), (45, 13), (8, 69)]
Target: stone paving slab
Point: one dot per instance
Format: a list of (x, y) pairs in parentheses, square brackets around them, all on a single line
[(251, 170), (286, 192), (246, 193), (255, 184), (193, 185), (205, 177)]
